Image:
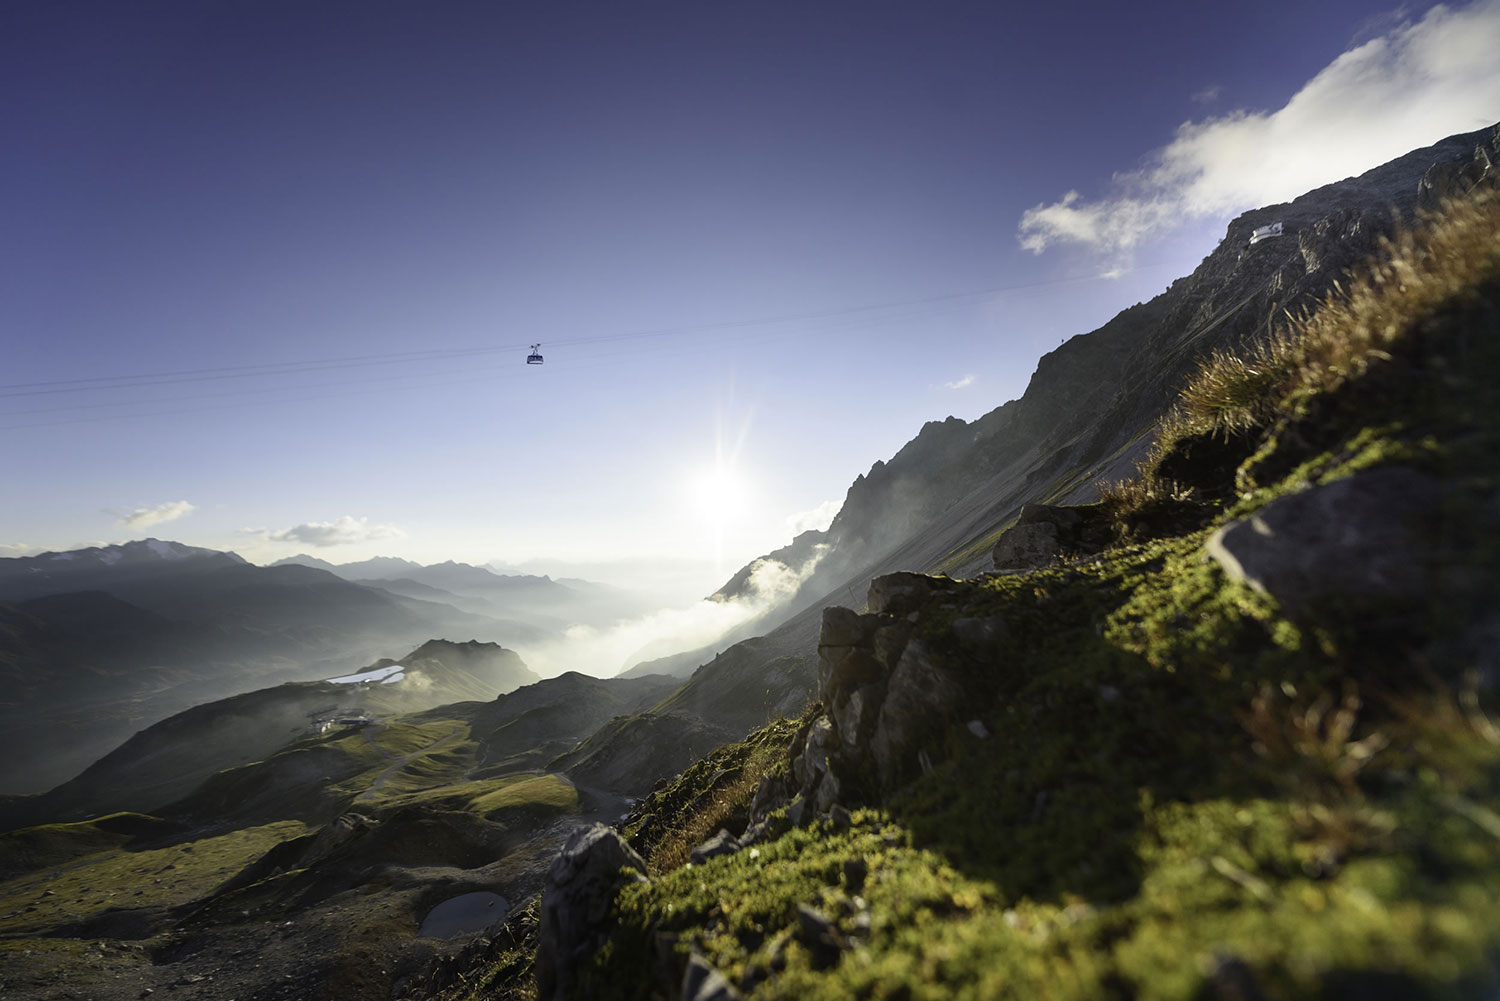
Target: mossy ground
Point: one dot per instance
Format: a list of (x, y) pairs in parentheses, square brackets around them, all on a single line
[(118, 878)]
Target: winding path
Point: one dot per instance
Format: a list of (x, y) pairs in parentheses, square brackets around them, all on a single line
[(399, 763)]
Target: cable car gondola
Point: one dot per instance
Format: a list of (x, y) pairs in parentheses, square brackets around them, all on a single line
[(534, 358)]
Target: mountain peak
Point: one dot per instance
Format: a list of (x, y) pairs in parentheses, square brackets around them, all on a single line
[(137, 551)]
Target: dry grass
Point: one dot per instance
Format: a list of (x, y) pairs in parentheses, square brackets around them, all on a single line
[(1445, 260), (1312, 752), (1446, 257), (721, 804), (1143, 501)]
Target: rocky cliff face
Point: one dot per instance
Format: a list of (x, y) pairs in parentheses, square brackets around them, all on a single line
[(1092, 401), (1090, 411)]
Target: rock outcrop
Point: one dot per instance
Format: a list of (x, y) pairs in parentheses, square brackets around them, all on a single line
[(885, 693), (1042, 535), (1455, 178), (581, 885), (1355, 538)]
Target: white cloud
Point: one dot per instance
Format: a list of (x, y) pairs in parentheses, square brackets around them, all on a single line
[(818, 518), (603, 652), (1398, 91), (345, 531), (967, 380), (10, 550), (1208, 95), (145, 517)]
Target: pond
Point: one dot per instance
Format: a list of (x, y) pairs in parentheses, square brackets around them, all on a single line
[(465, 914)]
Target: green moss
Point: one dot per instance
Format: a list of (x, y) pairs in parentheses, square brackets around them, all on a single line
[(117, 879)]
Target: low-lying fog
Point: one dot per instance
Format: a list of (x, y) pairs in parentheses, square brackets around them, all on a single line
[(606, 651)]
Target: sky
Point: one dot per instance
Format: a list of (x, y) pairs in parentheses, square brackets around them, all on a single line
[(270, 271)]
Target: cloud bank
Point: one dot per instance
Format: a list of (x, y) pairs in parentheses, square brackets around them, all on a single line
[(12, 550), (1404, 89), (605, 652), (343, 532), (145, 517), (818, 518)]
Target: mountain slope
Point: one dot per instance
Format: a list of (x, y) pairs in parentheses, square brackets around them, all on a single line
[(1245, 747), (1091, 408)]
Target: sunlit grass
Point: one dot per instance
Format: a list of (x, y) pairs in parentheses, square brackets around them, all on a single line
[(117, 878)]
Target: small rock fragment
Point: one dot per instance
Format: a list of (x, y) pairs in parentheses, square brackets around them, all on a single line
[(722, 843)]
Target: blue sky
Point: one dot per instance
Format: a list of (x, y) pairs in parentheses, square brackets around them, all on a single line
[(269, 271)]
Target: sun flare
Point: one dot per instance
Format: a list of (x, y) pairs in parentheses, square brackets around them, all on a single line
[(717, 495)]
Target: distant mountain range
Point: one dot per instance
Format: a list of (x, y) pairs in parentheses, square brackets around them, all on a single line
[(169, 759), (96, 643), (485, 592)]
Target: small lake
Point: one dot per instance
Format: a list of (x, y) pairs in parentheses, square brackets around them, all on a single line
[(464, 915)]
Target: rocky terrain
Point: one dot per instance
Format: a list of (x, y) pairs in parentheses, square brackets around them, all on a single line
[(1172, 679)]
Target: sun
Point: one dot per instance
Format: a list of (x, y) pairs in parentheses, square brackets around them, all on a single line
[(716, 494)]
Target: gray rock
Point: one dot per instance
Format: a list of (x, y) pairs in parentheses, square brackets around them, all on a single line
[(918, 693), (808, 768), (826, 793), (845, 627), (1027, 547), (722, 843), (846, 650), (855, 715), (1457, 178), (899, 593), (1062, 517), (701, 982), (889, 641), (801, 812), (1354, 538), (580, 888)]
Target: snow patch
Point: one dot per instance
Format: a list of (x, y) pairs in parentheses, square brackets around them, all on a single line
[(163, 549), (63, 556), (384, 675)]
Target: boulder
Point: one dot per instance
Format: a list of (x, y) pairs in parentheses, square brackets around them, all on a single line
[(1044, 533), (1027, 547), (576, 899), (722, 843), (899, 593), (1353, 538)]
